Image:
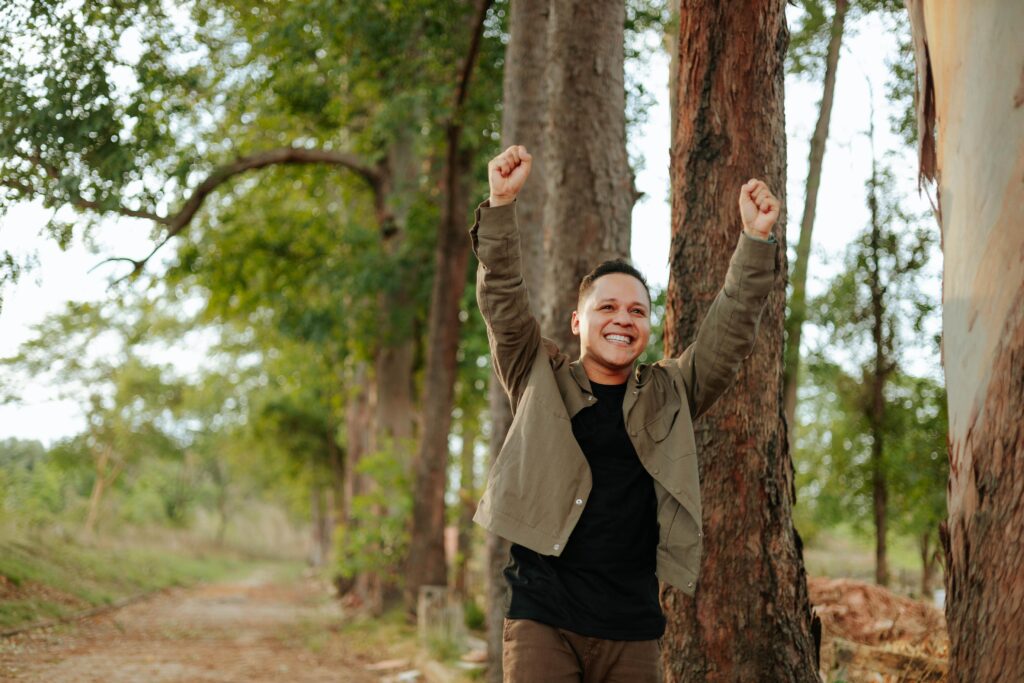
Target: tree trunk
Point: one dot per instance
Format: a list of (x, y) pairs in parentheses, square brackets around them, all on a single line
[(426, 565), (798, 279), (426, 555), (524, 112), (750, 619), (927, 565), (467, 506), (359, 429), (497, 547), (590, 191), (876, 409), (107, 469), (395, 416), (336, 461), (971, 97)]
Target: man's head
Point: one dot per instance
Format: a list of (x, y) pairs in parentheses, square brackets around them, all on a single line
[(612, 319)]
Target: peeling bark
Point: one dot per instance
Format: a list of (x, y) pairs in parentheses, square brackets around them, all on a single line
[(970, 58)]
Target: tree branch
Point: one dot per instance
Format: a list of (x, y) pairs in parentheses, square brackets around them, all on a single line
[(176, 223)]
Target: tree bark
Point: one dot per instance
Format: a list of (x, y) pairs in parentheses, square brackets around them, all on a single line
[(971, 131), (107, 469), (426, 565), (467, 500), (590, 191), (798, 278), (927, 564), (750, 619), (497, 547), (523, 117)]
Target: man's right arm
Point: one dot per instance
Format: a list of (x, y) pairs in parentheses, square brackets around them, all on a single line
[(512, 331)]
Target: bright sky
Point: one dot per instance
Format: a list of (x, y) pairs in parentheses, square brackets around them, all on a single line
[(63, 276)]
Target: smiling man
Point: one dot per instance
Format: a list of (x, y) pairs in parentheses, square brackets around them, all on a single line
[(596, 484)]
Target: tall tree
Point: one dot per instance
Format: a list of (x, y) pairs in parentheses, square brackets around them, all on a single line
[(875, 311), (524, 112), (970, 101), (816, 156), (750, 619), (590, 191), (426, 565)]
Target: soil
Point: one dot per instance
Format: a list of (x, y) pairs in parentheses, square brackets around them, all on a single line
[(254, 630)]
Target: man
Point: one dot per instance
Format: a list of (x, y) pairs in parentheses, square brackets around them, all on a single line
[(596, 484)]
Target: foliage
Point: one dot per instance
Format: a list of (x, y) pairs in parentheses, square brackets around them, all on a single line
[(812, 27), (884, 279), (376, 535), (833, 448)]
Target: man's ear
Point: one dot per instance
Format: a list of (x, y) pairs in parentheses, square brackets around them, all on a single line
[(574, 323)]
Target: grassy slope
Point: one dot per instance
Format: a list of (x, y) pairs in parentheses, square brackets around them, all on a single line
[(44, 579)]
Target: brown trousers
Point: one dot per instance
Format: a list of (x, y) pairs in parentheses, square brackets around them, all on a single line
[(533, 652)]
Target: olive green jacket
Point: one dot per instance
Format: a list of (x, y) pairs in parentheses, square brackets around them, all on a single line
[(540, 482)]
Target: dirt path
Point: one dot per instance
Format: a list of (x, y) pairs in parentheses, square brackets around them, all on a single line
[(257, 630)]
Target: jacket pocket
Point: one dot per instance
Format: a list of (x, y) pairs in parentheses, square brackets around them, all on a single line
[(661, 425), (683, 541)]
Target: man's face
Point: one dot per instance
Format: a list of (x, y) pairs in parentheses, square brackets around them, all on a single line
[(613, 322)]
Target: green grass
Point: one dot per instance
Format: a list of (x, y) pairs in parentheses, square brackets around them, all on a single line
[(48, 578)]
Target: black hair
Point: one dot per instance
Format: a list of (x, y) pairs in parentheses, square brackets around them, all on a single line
[(612, 266)]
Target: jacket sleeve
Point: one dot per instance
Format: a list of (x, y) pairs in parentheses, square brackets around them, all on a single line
[(727, 334), (512, 331)]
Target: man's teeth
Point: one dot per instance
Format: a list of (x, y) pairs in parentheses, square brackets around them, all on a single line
[(617, 338)]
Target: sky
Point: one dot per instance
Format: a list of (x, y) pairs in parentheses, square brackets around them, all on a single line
[(842, 214)]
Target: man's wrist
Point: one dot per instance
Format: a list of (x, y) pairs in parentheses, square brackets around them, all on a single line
[(495, 201), (766, 236)]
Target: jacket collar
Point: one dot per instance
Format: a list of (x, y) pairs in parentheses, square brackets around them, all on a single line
[(637, 378), (633, 385)]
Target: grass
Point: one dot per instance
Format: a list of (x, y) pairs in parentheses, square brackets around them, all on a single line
[(46, 578), (841, 552)]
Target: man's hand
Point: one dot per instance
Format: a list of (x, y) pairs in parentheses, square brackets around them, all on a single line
[(507, 173), (759, 209)]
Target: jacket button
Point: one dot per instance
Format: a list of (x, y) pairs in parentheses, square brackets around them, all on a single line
[(590, 398), (557, 546), (690, 584), (656, 470), (579, 501), (636, 392)]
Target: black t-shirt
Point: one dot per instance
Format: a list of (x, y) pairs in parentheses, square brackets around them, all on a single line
[(603, 585)]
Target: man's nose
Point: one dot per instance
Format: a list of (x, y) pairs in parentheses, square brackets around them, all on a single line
[(622, 318)]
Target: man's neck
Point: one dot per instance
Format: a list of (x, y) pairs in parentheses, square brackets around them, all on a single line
[(603, 374)]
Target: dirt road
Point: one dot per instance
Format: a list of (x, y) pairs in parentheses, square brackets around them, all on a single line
[(256, 630)]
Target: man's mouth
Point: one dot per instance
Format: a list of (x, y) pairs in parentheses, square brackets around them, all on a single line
[(619, 339)]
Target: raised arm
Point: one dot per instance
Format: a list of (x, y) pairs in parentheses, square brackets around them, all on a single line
[(727, 334), (512, 331)]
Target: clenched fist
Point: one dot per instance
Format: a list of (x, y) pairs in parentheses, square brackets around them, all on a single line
[(507, 173), (759, 208)]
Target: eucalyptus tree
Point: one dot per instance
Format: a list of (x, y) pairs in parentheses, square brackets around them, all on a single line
[(970, 126)]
